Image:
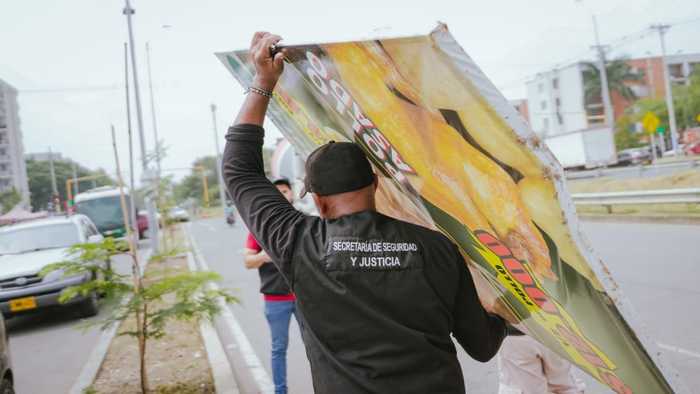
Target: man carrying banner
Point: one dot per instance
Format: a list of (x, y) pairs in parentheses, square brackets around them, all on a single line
[(378, 297)]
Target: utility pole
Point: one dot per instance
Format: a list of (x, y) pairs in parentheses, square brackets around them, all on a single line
[(604, 90), (152, 221), (222, 187), (153, 108), (661, 29), (75, 178), (54, 188), (55, 201), (132, 202)]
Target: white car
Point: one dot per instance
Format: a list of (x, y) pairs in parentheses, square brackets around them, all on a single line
[(26, 248), (179, 214)]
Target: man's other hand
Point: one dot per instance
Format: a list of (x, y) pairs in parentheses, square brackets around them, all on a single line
[(267, 68)]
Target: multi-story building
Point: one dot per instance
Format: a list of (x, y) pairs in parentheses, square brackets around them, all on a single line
[(680, 67), (557, 101), (13, 172)]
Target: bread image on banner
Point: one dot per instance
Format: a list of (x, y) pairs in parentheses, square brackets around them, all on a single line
[(453, 155)]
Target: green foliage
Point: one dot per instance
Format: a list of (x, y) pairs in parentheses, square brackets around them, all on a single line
[(625, 138), (191, 185), (192, 300), (9, 199), (39, 176), (686, 102), (166, 254), (156, 299), (92, 260), (618, 72)]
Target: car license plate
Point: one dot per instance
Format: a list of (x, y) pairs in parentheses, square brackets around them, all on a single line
[(22, 304)]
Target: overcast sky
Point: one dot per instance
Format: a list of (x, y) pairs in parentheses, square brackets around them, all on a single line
[(66, 57)]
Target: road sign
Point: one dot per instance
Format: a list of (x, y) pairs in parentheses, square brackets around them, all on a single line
[(698, 118), (661, 130), (650, 122)]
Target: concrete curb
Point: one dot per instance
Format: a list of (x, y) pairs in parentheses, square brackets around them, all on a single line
[(221, 368), (97, 356), (244, 364)]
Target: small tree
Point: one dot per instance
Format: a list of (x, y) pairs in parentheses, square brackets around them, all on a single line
[(8, 200), (192, 299)]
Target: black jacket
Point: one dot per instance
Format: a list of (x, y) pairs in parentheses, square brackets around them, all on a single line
[(271, 281), (378, 297)]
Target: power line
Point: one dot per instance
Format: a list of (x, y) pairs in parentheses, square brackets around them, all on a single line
[(86, 89)]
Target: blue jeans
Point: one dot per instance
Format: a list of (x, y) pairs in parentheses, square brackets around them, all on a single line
[(278, 314)]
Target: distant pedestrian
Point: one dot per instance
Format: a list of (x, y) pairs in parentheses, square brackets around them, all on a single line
[(379, 299), (279, 299), (525, 366)]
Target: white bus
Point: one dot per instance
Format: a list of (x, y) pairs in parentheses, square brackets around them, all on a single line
[(103, 207)]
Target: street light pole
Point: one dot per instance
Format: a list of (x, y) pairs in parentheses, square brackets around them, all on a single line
[(604, 90), (54, 187), (153, 108), (661, 29), (132, 202), (222, 187), (152, 221), (75, 178)]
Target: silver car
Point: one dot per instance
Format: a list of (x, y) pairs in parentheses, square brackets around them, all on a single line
[(26, 248)]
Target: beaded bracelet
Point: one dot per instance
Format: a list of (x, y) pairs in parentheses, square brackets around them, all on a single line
[(259, 91)]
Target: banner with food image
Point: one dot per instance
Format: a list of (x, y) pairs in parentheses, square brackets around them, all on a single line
[(453, 155)]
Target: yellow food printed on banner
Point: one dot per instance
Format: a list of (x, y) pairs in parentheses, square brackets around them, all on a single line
[(302, 119), (518, 278)]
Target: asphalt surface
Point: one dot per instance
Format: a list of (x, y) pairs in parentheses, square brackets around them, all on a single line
[(656, 265), (49, 348)]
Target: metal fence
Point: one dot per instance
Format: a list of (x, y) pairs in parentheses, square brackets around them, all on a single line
[(664, 196), (640, 171)]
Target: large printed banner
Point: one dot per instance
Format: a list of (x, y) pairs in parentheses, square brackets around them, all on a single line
[(453, 155)]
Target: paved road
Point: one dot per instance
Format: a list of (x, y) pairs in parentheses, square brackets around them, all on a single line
[(50, 348), (655, 264)]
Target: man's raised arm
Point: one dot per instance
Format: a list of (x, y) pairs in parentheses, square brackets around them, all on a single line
[(268, 215)]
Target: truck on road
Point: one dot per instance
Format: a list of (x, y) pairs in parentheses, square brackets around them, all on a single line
[(588, 148)]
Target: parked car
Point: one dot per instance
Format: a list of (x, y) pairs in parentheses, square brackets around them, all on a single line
[(26, 248), (179, 214), (671, 152), (142, 223), (693, 149), (7, 382), (634, 156)]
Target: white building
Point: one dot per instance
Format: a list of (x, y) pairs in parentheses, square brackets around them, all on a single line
[(556, 101), (13, 172)]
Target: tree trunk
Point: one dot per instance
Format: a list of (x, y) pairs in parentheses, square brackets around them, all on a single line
[(142, 350)]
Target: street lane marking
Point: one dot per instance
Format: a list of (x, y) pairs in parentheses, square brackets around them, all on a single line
[(679, 350), (251, 359)]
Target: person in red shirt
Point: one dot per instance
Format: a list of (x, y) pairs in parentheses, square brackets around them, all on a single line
[(279, 299)]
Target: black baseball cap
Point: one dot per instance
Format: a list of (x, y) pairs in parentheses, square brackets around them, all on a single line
[(282, 181), (337, 167)]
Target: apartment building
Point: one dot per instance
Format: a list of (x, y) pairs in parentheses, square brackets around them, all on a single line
[(13, 172), (556, 98)]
